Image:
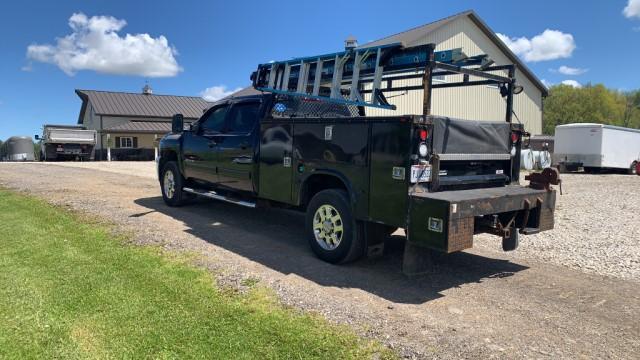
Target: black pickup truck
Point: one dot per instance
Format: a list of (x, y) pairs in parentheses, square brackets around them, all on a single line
[(360, 178)]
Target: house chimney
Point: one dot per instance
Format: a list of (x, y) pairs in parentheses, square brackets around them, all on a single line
[(351, 43), (146, 90)]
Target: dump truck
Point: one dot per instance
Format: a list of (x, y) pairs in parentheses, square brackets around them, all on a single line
[(66, 142), (360, 178)]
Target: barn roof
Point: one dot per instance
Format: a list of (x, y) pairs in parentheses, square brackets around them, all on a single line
[(415, 34), (136, 126), (141, 105)]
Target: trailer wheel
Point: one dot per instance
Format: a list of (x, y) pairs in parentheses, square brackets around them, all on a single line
[(633, 170), (171, 183), (333, 233)]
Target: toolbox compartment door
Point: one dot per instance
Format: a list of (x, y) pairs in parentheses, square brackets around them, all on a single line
[(276, 163)]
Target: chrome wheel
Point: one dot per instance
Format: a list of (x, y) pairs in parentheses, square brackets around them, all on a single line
[(328, 227), (169, 184)]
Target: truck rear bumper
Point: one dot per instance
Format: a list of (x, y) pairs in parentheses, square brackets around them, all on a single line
[(447, 220)]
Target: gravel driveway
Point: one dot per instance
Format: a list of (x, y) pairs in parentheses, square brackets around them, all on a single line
[(569, 293)]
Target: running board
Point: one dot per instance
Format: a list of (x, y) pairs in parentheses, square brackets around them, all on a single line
[(215, 196)]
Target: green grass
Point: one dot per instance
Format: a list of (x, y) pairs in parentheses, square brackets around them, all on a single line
[(69, 289)]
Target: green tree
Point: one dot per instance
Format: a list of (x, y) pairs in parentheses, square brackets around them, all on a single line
[(592, 103), (36, 149), (631, 116)]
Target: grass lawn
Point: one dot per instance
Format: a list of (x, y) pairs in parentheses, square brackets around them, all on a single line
[(69, 289)]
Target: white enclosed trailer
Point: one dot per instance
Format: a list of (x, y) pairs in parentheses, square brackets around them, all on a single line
[(596, 146)]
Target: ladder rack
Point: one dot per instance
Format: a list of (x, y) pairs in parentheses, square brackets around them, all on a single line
[(341, 77)]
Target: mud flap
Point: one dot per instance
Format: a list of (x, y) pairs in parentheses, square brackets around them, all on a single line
[(417, 260)]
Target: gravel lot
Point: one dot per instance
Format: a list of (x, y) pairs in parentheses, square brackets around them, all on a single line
[(597, 227), (569, 293)]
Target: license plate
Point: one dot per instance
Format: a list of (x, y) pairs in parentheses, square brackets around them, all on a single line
[(422, 171)]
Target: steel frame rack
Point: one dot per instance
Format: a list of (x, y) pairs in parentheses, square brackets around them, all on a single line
[(348, 71)]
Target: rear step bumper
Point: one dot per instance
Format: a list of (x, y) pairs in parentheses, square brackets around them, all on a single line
[(215, 196), (446, 221)]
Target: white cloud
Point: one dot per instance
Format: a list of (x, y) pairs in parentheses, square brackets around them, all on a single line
[(572, 83), (546, 83), (632, 9), (550, 45), (96, 45), (217, 92), (566, 70)]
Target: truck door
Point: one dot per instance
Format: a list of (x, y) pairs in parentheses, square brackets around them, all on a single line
[(236, 162), (200, 147)]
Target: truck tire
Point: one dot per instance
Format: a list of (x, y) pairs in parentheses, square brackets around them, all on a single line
[(633, 170), (334, 235), (171, 183)]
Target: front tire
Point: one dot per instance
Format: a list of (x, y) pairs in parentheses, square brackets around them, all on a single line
[(333, 233), (171, 183)]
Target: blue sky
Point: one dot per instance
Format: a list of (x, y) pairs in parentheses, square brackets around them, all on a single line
[(192, 46)]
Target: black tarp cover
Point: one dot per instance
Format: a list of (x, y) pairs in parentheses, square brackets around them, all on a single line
[(456, 136)]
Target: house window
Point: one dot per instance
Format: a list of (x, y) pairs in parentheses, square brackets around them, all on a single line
[(126, 142)]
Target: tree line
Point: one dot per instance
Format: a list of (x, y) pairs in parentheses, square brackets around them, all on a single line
[(591, 103)]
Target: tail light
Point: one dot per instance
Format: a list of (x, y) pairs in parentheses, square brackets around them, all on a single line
[(423, 134), (514, 137), (423, 150)]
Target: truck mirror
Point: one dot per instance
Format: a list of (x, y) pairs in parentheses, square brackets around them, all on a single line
[(177, 123), (37, 137)]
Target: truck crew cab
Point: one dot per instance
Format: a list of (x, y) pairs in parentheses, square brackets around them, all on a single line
[(360, 178)]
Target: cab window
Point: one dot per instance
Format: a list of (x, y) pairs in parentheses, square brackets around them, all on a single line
[(243, 117), (214, 122)]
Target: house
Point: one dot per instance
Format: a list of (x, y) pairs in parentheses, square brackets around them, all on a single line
[(130, 124), (468, 31)]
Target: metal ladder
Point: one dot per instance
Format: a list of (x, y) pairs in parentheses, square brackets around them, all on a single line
[(339, 77)]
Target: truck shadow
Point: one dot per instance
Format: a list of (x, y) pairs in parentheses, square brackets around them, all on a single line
[(276, 238)]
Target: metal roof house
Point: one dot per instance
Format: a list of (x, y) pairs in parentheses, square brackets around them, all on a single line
[(468, 31), (130, 123)]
